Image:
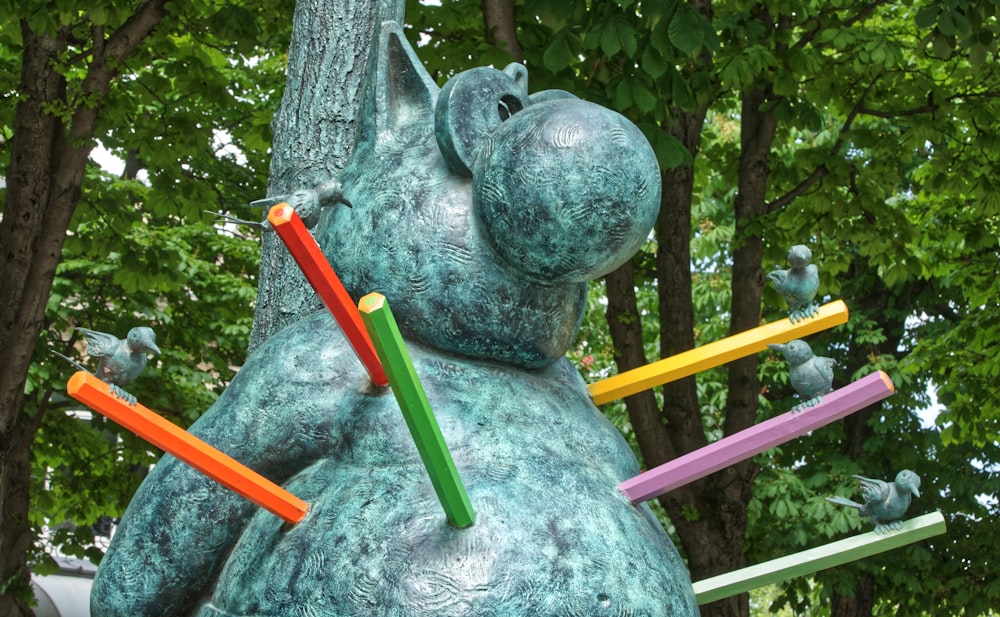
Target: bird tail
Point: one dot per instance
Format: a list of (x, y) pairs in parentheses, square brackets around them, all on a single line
[(842, 501), (70, 360)]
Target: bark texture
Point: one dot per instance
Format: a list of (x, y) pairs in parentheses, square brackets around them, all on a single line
[(48, 157), (314, 133), (498, 16)]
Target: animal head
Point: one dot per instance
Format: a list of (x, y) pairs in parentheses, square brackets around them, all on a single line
[(799, 256), (142, 339), (908, 482), (481, 211), (796, 352)]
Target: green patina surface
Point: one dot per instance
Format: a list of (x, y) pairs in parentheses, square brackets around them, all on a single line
[(483, 252)]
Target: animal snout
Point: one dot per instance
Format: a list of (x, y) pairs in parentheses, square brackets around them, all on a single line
[(566, 190)]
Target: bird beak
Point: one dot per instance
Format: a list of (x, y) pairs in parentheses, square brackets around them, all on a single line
[(916, 493), (153, 348), (777, 347)]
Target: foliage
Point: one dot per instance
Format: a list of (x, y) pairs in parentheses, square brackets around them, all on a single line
[(188, 117), (884, 147)]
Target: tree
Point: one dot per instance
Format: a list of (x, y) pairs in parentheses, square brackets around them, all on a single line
[(776, 124), (305, 157), (163, 88)]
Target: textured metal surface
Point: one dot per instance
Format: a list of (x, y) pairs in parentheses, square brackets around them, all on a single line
[(553, 535), (489, 303)]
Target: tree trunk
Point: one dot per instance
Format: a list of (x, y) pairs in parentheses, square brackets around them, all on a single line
[(31, 235), (709, 515), (313, 133), (16, 537), (498, 16), (44, 179), (725, 495), (860, 604)]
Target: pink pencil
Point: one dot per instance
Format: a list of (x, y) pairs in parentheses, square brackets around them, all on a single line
[(324, 280), (754, 440)]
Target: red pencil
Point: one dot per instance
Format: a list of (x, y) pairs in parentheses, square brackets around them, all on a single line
[(324, 280)]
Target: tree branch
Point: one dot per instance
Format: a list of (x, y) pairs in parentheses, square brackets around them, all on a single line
[(136, 28), (930, 107), (822, 170)]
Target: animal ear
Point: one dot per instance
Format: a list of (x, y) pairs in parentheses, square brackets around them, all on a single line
[(404, 92), (520, 74), (471, 106)]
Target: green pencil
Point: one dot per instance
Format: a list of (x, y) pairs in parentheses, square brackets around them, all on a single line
[(416, 409), (813, 560)]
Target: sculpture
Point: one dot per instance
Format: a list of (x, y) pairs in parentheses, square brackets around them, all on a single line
[(885, 503), (798, 284), (121, 361), (479, 212), (811, 375)]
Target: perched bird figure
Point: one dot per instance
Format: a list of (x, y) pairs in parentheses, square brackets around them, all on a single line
[(308, 204), (884, 502), (811, 376), (121, 361), (798, 284)]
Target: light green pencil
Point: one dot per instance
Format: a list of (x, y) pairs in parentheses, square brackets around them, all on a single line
[(813, 560), (419, 416)]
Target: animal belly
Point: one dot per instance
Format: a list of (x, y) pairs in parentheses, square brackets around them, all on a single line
[(553, 535)]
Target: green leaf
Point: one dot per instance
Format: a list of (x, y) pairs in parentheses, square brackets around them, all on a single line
[(927, 17), (736, 73), (785, 83), (623, 95), (610, 39), (946, 24), (978, 54), (659, 37), (669, 152), (941, 46), (629, 38), (685, 30), (558, 54), (653, 63), (681, 92), (644, 99), (808, 116), (98, 14)]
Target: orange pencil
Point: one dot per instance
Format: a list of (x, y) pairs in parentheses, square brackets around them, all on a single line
[(171, 438)]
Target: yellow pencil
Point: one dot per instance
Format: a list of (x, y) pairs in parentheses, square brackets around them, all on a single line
[(715, 354)]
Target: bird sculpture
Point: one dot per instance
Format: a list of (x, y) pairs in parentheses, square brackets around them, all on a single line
[(308, 204), (121, 361), (884, 502), (811, 375), (798, 284)]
